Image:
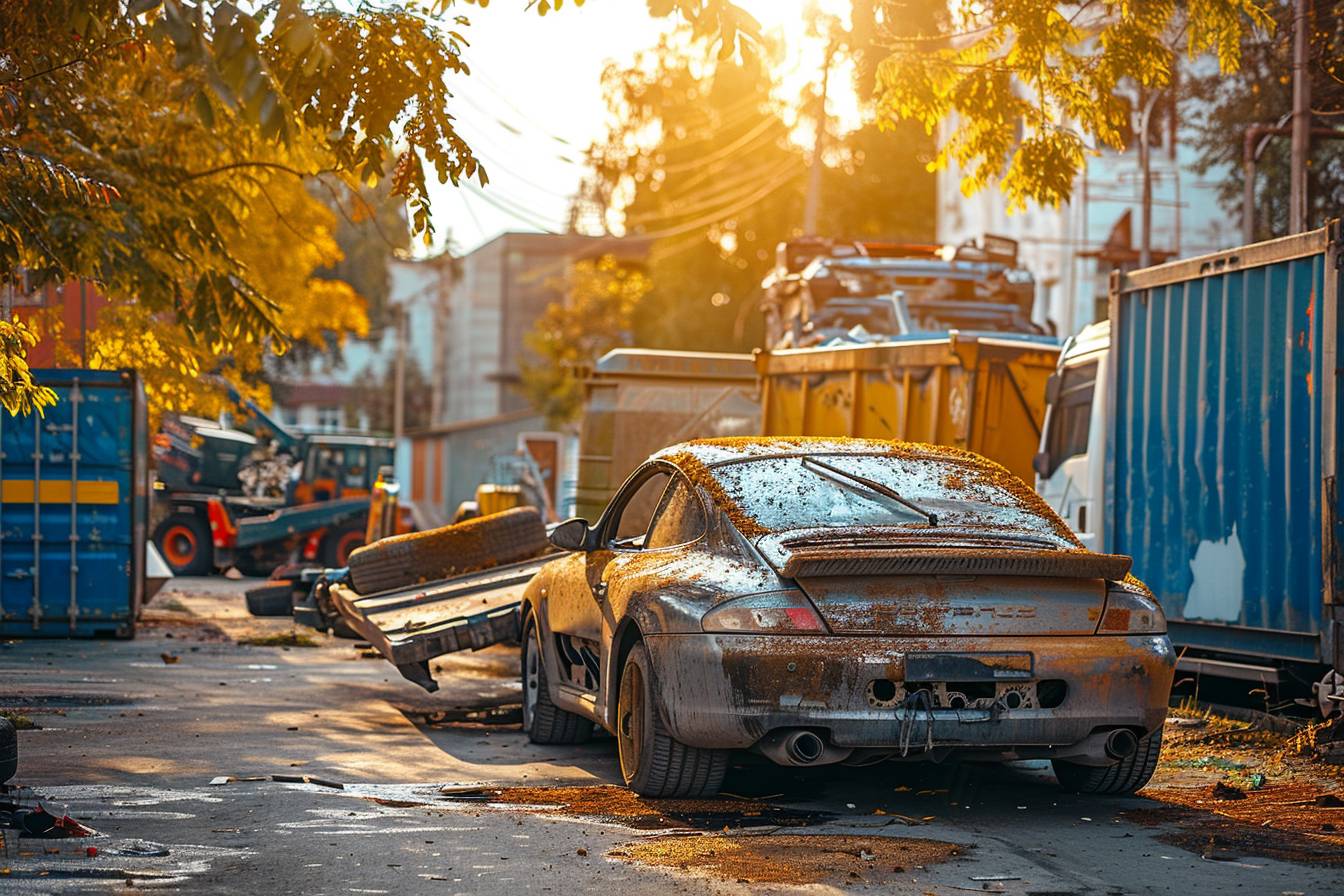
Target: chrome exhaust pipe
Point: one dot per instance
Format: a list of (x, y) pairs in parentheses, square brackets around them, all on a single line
[(1121, 744), (804, 747), (800, 747)]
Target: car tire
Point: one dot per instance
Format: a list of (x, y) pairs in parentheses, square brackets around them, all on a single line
[(1126, 777), (271, 599), (339, 544), (653, 763), (9, 750), (184, 542), (543, 721), (416, 557)]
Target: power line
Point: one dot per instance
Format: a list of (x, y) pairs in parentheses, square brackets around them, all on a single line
[(724, 150), (726, 194), (515, 213)]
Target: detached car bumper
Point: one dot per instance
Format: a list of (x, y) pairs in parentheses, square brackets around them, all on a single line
[(729, 690)]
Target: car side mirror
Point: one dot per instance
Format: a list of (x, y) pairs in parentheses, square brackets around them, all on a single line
[(1052, 388), (571, 535), (1041, 463)]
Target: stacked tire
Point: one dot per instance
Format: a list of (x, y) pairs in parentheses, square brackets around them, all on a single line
[(275, 598), (480, 543)]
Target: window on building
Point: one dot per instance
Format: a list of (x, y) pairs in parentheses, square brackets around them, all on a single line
[(330, 419)]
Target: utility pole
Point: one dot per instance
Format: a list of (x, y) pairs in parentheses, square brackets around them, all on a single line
[(1146, 172), (812, 207), (1297, 197), (399, 385)]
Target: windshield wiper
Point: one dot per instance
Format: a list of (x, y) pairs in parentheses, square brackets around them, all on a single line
[(885, 491)]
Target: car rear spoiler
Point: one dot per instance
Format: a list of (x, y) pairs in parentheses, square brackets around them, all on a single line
[(813, 562)]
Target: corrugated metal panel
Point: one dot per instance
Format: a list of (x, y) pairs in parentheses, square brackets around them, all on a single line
[(89, 547), (1217, 467)]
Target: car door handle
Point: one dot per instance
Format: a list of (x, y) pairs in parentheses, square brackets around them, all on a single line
[(600, 591)]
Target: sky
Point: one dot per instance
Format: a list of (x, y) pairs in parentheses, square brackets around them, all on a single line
[(533, 103)]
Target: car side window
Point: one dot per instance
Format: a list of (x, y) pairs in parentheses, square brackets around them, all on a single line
[(680, 518), (634, 515)]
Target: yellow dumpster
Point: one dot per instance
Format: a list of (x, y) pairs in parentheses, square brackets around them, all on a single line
[(982, 393), (494, 498)]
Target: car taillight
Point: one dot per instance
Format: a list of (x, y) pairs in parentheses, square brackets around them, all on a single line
[(1129, 611), (768, 611)]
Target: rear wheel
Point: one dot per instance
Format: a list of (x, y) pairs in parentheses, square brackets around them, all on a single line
[(544, 722), (653, 763), (1126, 777), (184, 543), (339, 543)]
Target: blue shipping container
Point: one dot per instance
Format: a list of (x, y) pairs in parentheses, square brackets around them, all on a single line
[(1221, 468), (75, 497)]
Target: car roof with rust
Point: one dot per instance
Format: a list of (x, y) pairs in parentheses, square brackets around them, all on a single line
[(710, 452)]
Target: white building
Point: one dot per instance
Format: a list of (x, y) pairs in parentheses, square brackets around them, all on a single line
[(324, 396), (1072, 249)]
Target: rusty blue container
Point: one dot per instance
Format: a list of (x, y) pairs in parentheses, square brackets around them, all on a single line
[(75, 505), (1221, 471)]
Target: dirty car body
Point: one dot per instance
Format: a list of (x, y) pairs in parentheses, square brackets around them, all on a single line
[(825, 600)]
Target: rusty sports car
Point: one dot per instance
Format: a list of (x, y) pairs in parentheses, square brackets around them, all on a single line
[(823, 601)]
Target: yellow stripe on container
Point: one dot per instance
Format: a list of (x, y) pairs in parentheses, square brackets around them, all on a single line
[(57, 491)]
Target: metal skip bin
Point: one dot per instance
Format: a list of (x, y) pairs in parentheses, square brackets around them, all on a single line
[(1221, 469), (985, 394), (638, 401), (75, 491)]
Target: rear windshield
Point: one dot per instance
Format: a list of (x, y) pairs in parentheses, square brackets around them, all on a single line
[(777, 494)]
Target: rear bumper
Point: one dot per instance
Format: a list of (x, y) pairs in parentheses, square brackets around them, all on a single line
[(731, 690)]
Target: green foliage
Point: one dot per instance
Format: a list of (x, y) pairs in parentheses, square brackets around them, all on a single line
[(700, 160), (1030, 87), (19, 394), (1221, 108), (145, 145), (596, 316)]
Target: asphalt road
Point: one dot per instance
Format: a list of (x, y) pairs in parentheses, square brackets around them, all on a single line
[(133, 733)]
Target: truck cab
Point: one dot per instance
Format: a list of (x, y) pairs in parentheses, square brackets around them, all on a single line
[(339, 466), (1071, 462)]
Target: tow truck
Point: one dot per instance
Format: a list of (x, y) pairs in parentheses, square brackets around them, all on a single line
[(209, 523)]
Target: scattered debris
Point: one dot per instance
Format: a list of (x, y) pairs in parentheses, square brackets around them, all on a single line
[(1205, 832), (38, 822), (307, 779), (139, 849), (623, 806), (290, 638), (169, 658), (476, 716), (231, 779), (465, 790), (791, 858), (20, 721), (1221, 791), (1187, 721)]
